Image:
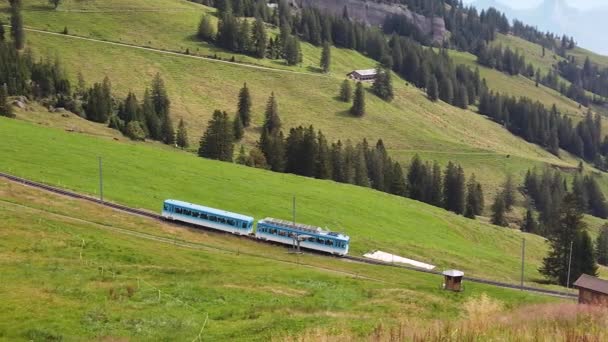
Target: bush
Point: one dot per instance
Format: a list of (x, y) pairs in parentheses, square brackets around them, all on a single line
[(135, 131)]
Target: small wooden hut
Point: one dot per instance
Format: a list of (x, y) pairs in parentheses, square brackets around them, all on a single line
[(453, 280), (592, 290)]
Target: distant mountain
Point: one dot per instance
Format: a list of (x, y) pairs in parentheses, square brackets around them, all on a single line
[(586, 26)]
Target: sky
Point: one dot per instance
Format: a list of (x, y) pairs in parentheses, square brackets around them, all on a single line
[(581, 4)]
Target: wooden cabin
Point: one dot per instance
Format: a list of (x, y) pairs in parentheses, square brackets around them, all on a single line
[(592, 290), (453, 280), (367, 75)]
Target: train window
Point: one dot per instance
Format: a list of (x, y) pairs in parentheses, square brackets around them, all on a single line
[(178, 210), (166, 207), (195, 214), (221, 220), (231, 222), (204, 216), (212, 218), (244, 225)]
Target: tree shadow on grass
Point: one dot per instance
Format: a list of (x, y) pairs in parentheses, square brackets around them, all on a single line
[(312, 68), (345, 114)]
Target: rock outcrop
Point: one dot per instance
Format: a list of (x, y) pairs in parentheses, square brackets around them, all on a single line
[(373, 13)]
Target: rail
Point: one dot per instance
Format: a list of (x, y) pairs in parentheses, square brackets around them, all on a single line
[(148, 214)]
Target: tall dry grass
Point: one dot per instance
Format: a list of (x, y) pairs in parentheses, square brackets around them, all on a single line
[(486, 319)]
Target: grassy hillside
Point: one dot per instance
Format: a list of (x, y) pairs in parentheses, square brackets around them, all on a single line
[(72, 271), (410, 124), (519, 86), (163, 24), (197, 87), (374, 220)]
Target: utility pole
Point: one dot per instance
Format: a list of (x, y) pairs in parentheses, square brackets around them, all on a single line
[(569, 265), (100, 180), (523, 261)]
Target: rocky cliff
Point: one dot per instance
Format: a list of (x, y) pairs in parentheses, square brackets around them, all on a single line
[(373, 13)]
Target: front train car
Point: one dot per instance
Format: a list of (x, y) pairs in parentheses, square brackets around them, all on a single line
[(207, 217), (310, 237)]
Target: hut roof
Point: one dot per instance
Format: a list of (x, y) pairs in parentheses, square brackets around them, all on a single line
[(592, 283), (453, 273)]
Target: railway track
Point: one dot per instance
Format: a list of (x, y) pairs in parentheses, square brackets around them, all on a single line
[(154, 216)]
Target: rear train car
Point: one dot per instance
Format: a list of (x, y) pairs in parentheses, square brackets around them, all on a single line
[(199, 215), (310, 237)]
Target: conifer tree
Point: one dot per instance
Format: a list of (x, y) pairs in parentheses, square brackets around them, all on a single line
[(206, 31), (242, 158), (17, 31), (217, 142), (323, 167), (99, 102), (360, 166), (346, 92), (398, 186), (529, 225), (436, 195), (432, 89), (446, 90), (244, 106), (160, 98), (326, 57), (5, 106), (462, 97), (272, 121), (2, 32), (601, 246), (569, 225), (337, 159), (472, 206), (243, 38), (237, 127), (272, 145), (358, 108), (383, 86), (454, 187), (498, 211), (415, 177), (508, 193), (292, 51), (182, 135), (583, 257), (151, 118), (259, 39), (167, 132)]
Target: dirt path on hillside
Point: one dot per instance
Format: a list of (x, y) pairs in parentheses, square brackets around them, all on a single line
[(171, 53)]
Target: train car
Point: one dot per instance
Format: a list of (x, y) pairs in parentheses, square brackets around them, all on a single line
[(310, 237), (207, 217)]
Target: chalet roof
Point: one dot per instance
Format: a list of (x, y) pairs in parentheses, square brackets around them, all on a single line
[(366, 72), (592, 283), (453, 273)]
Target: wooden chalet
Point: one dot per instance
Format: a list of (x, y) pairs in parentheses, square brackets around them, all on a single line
[(592, 290), (367, 75)]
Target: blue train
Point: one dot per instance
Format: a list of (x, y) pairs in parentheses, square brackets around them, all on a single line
[(268, 229)]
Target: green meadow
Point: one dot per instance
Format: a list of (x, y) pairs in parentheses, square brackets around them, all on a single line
[(72, 271)]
